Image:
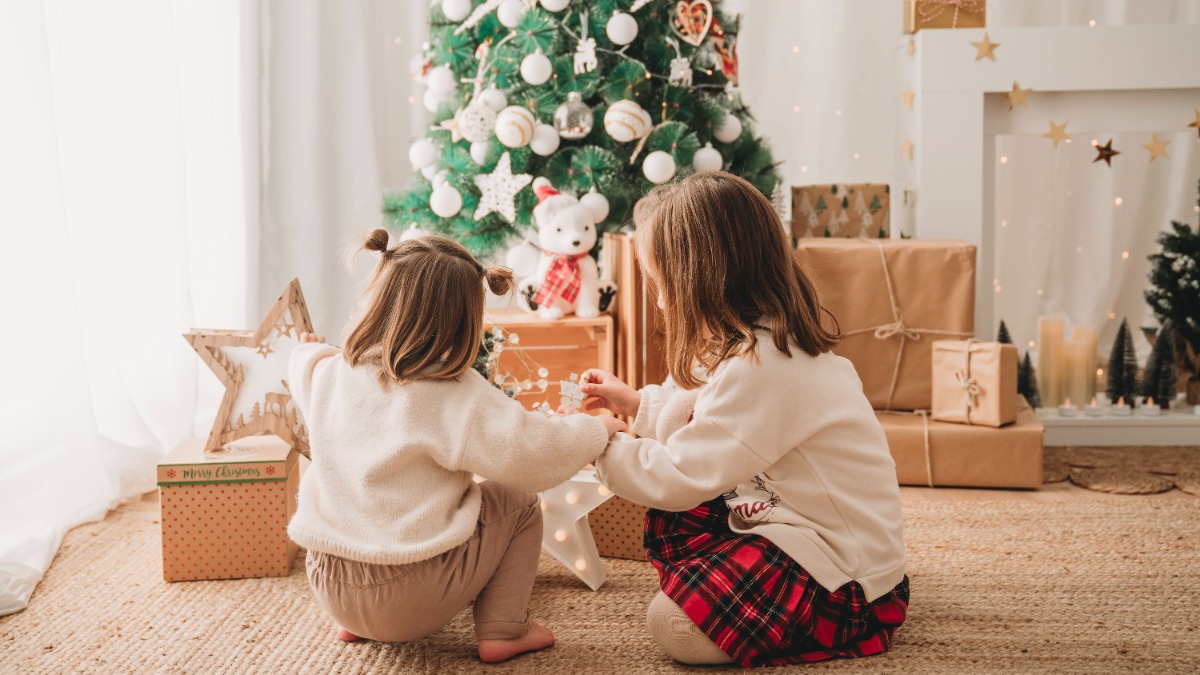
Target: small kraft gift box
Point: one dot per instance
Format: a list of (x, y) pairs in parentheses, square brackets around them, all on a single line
[(225, 512), (974, 382), (921, 14), (617, 527), (841, 210)]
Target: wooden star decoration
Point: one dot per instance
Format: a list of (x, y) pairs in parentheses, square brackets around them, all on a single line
[(986, 48), (1196, 123), (284, 329), (566, 534), (1058, 133), (1017, 96), (451, 125), (1158, 148), (906, 149), (500, 188), (1105, 152), (256, 399), (908, 95)]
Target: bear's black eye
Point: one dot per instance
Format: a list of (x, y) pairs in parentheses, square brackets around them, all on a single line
[(587, 228)]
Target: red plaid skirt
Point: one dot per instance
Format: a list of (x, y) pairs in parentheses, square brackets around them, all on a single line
[(756, 603)]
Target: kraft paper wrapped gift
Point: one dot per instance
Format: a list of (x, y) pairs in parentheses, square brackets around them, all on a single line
[(617, 526), (854, 210), (892, 299), (974, 382), (225, 513), (920, 14), (930, 453)]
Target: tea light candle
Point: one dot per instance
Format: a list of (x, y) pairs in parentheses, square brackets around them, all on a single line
[(1093, 409), (1121, 409), (1067, 409), (1150, 408)]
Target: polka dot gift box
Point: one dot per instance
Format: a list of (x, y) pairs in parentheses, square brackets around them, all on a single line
[(225, 513)]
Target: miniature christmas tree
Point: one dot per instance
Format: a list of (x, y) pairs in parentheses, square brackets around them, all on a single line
[(1027, 383), (1002, 335), (1174, 295), (601, 97), (1164, 374), (1122, 367)]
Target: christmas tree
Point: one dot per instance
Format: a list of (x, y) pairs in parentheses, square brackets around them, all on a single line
[(605, 98), (1027, 383), (1159, 378), (1122, 367), (1002, 335), (1174, 295)]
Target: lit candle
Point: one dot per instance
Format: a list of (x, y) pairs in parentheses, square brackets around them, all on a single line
[(1067, 409), (1077, 371), (1093, 409), (1150, 408), (1088, 337), (1050, 359), (1121, 409)]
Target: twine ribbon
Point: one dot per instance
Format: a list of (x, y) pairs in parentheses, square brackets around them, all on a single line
[(898, 327), (969, 385), (924, 415), (930, 10)]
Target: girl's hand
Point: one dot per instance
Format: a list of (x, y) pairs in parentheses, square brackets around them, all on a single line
[(609, 392), (309, 337), (613, 425)]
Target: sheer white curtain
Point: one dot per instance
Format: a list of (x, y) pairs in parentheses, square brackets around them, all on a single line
[(125, 223)]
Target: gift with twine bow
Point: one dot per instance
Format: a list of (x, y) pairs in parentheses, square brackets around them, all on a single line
[(919, 14), (974, 382), (891, 299), (929, 453)]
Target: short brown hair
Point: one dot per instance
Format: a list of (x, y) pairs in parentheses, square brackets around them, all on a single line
[(715, 249), (425, 319)]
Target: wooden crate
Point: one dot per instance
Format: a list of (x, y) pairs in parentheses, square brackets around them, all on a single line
[(640, 337), (562, 346)]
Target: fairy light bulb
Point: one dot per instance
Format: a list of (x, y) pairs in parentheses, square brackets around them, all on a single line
[(560, 535), (572, 498), (581, 564)]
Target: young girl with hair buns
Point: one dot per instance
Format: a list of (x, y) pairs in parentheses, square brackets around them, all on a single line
[(400, 537), (775, 519)]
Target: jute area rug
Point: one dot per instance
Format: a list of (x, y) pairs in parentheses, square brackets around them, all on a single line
[(1059, 581)]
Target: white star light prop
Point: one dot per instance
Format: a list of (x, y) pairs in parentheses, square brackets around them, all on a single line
[(500, 188), (566, 534)]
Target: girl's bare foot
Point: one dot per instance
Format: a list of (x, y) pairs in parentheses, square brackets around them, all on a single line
[(538, 637), (346, 636)]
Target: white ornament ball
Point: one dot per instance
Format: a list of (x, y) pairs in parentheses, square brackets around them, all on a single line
[(596, 204), (456, 10), (445, 201), (494, 98), (659, 167), (728, 129), (707, 158), (422, 153), (625, 121), (479, 151), (514, 126), (429, 171), (413, 232), (555, 5), (573, 119), (545, 140), (476, 121), (441, 80), (536, 68), (621, 28), (512, 12), (432, 100)]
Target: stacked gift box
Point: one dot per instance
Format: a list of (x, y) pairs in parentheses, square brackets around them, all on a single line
[(947, 403)]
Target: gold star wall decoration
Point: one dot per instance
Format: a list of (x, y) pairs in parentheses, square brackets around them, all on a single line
[(1196, 123), (986, 48), (1058, 133), (906, 149), (1158, 147), (1105, 152), (912, 47), (252, 364), (1017, 96), (908, 95)]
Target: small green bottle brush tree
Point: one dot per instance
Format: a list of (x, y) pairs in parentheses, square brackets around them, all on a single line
[(1174, 295)]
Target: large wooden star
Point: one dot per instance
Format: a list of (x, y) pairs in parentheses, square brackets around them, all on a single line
[(986, 48), (1105, 152), (1158, 147), (1058, 132), (566, 534), (252, 364), (1017, 96)]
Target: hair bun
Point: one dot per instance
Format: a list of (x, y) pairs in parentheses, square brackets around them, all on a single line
[(377, 240), (499, 279)]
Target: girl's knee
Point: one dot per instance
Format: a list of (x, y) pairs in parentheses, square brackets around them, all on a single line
[(678, 636)]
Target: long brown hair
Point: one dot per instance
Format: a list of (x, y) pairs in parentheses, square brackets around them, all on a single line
[(714, 248), (425, 319)]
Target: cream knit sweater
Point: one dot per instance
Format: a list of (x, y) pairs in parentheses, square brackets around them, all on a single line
[(391, 477), (794, 448)]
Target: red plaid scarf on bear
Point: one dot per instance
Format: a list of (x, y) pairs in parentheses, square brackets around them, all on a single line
[(563, 278)]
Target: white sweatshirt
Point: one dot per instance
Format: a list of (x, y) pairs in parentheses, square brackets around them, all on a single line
[(794, 447), (391, 477)]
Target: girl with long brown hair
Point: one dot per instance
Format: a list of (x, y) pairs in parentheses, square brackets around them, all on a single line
[(399, 535), (775, 513)]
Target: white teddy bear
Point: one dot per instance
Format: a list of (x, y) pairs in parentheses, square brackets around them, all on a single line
[(565, 279)]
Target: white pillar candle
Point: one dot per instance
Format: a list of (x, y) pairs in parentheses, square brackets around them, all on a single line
[(1077, 371), (1050, 360), (1088, 337)]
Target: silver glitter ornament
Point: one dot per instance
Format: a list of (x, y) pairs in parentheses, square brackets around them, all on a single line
[(573, 119)]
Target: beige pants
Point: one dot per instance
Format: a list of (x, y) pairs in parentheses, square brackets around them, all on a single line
[(679, 636), (396, 603)]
